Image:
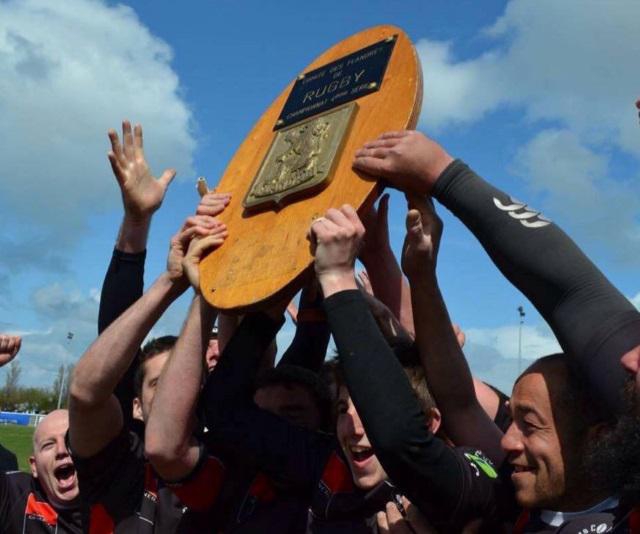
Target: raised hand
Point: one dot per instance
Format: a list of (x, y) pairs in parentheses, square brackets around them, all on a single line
[(335, 241), (9, 347), (142, 194), (376, 239), (408, 160), (421, 244)]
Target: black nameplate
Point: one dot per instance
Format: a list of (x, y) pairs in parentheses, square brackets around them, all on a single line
[(338, 82)]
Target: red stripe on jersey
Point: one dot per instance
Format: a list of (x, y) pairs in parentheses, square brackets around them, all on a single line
[(100, 522), (634, 521), (523, 519), (200, 492), (41, 510), (150, 481), (337, 476), (262, 488)]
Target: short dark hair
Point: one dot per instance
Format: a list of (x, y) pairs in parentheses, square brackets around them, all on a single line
[(152, 348), (285, 375), (575, 398)]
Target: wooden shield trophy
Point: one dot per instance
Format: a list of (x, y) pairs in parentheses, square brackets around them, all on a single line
[(296, 163)]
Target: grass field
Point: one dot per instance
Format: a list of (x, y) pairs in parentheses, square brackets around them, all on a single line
[(17, 439)]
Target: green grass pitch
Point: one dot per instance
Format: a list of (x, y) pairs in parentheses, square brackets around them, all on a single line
[(17, 439)]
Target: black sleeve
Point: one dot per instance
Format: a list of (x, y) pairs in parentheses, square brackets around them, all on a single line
[(289, 454), (594, 323), (309, 346), (8, 460), (421, 465), (123, 285), (234, 377), (114, 477)]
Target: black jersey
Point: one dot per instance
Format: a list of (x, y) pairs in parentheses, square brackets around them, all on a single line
[(24, 508), (121, 493)]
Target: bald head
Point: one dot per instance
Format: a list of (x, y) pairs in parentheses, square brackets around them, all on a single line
[(53, 422), (51, 463)]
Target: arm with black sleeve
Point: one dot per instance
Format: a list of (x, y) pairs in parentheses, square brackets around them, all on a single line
[(291, 455), (309, 345), (434, 476), (593, 321)]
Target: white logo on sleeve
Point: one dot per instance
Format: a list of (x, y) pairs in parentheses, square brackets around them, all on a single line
[(519, 211)]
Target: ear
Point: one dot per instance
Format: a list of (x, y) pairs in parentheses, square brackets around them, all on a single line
[(32, 466), (434, 420), (137, 409)]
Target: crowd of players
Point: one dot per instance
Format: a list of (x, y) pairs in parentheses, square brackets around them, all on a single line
[(202, 432)]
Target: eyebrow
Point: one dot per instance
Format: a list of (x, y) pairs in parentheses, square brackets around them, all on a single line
[(526, 408)]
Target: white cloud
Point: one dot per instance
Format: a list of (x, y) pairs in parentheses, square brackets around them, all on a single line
[(572, 61), (492, 353), (636, 301), (69, 71), (537, 341), (577, 181), (44, 349)]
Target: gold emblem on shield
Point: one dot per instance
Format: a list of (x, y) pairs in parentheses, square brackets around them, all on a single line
[(301, 158)]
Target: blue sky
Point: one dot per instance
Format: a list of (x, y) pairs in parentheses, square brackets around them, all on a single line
[(536, 95)]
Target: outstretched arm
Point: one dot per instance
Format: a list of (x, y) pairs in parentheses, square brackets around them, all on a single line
[(169, 442), (142, 195), (95, 414), (594, 323), (385, 276), (445, 366)]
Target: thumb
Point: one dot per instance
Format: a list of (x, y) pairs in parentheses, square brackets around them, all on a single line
[(414, 224), (167, 176)]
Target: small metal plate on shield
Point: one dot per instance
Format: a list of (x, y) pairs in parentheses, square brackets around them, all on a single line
[(301, 158)]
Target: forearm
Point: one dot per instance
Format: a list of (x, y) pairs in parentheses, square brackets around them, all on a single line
[(108, 358), (592, 320), (133, 234), (390, 287), (169, 444), (447, 372), (233, 378), (309, 346)]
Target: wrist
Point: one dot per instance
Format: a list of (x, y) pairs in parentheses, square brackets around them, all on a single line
[(438, 167), (425, 280), (334, 282), (133, 234), (175, 286)]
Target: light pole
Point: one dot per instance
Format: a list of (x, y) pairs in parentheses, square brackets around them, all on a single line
[(69, 338), (521, 314)]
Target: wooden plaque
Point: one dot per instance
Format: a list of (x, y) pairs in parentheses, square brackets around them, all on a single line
[(294, 165)]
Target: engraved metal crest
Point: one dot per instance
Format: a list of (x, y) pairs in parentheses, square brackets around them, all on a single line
[(300, 158)]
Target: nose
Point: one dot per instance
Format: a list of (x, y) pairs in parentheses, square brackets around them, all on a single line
[(61, 448), (355, 425), (511, 442)]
